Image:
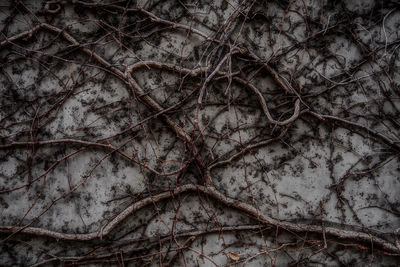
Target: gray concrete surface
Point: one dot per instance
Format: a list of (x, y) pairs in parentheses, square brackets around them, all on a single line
[(287, 180)]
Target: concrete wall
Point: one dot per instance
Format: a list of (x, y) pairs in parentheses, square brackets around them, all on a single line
[(294, 148)]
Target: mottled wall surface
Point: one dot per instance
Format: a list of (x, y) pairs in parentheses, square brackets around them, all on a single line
[(200, 133)]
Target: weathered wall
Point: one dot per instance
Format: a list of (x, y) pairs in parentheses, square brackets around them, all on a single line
[(200, 133)]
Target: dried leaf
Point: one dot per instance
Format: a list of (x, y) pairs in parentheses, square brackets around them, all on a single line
[(149, 259), (234, 256)]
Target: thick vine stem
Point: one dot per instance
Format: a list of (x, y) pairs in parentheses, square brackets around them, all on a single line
[(264, 106), (378, 135), (135, 87), (215, 194), (185, 133), (174, 126)]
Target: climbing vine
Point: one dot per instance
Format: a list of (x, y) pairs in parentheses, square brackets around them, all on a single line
[(199, 133)]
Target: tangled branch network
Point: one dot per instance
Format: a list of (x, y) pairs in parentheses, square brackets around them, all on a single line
[(199, 133)]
